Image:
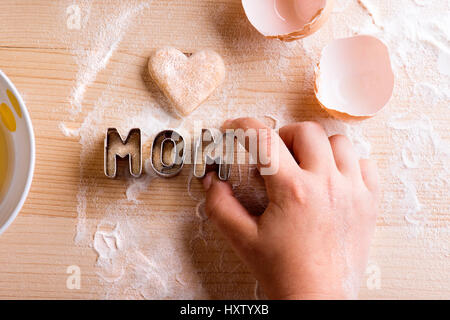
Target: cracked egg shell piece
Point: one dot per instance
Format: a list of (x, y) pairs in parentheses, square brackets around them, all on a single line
[(354, 78), (287, 20)]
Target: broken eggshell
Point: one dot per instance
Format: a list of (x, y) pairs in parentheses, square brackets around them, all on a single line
[(354, 79), (287, 20)]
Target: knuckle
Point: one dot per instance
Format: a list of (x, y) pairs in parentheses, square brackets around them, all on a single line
[(338, 139), (367, 205), (297, 191), (245, 122), (310, 125)]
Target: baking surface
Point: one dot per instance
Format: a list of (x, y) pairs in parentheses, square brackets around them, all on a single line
[(147, 238)]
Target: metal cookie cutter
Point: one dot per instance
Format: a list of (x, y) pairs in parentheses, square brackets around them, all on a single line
[(115, 147), (168, 143), (204, 159)]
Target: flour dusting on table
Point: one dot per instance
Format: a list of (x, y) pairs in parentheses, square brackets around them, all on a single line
[(146, 251)]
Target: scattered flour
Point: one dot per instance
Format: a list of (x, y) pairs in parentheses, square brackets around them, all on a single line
[(104, 38), (137, 258), (444, 62), (354, 132), (418, 45), (137, 186), (68, 132), (371, 10)]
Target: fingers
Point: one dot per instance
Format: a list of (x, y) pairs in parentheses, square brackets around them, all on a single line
[(347, 161), (369, 172), (227, 213), (349, 164), (309, 143), (280, 163)]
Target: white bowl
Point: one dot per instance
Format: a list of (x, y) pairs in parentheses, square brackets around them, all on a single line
[(22, 147)]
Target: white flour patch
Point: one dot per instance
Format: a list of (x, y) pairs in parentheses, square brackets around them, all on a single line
[(137, 186), (104, 38), (144, 252), (371, 11), (419, 148), (341, 5), (68, 132), (444, 63), (354, 132), (130, 268)]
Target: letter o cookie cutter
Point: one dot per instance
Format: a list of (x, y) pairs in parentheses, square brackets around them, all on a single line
[(157, 157)]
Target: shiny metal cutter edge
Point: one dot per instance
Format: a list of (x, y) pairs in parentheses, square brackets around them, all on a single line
[(219, 161), (164, 174), (105, 162)]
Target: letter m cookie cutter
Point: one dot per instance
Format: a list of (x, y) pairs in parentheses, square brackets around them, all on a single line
[(115, 147)]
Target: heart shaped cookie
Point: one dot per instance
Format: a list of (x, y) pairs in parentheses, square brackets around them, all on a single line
[(186, 81)]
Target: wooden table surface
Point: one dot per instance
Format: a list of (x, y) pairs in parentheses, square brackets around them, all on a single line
[(166, 250)]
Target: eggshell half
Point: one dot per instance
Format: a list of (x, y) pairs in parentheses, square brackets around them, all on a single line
[(354, 79), (287, 20)]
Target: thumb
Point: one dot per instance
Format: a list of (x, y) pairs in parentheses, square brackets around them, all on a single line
[(227, 213)]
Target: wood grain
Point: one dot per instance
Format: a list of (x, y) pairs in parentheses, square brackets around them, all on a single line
[(37, 53)]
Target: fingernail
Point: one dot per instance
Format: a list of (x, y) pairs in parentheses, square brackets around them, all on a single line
[(207, 181)]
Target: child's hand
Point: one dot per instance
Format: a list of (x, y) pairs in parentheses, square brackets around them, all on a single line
[(312, 242)]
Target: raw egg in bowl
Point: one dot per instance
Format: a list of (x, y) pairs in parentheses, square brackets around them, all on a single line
[(17, 152)]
